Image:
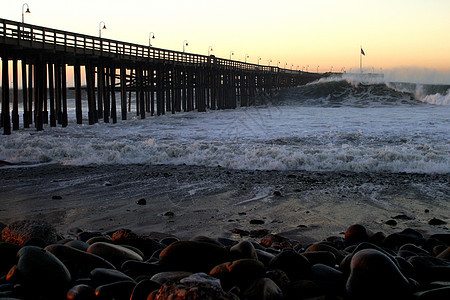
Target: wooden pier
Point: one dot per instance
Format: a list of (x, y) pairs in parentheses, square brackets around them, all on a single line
[(162, 80)]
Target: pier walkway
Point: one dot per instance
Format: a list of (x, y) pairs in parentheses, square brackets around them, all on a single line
[(162, 80)]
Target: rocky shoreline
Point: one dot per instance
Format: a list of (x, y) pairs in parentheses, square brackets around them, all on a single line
[(37, 262)]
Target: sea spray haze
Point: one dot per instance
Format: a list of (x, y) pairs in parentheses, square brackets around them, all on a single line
[(335, 124)]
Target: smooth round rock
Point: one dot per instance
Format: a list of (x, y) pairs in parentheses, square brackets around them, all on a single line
[(105, 276), (8, 252), (356, 234), (192, 256), (295, 265), (115, 254), (408, 236), (263, 289), (240, 272), (430, 268), (373, 275), (164, 277), (41, 271), (320, 257), (115, 290), (77, 245), (80, 263), (143, 289), (244, 249), (20, 231), (81, 292), (444, 254), (439, 293)]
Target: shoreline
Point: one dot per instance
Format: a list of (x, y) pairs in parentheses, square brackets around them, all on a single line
[(192, 200)]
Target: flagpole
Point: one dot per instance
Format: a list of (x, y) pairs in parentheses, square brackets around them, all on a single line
[(360, 59)]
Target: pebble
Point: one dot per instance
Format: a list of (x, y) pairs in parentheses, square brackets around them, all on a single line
[(436, 222), (256, 222), (356, 234), (295, 265), (263, 289), (373, 275), (141, 202), (244, 249), (115, 254)]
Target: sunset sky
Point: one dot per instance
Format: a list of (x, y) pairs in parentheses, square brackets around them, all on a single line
[(409, 36)]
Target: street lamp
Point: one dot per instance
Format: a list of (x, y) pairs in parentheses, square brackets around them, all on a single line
[(26, 12), (307, 66), (246, 56), (317, 70), (285, 65), (150, 37), (209, 50), (100, 28), (278, 62), (231, 53), (259, 58), (270, 60), (185, 43)]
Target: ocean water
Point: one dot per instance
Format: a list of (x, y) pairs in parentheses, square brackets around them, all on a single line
[(335, 124)]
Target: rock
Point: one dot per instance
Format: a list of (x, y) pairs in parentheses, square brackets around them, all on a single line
[(141, 202), (396, 240), (77, 245), (295, 265), (8, 252), (244, 249), (264, 256), (20, 231), (256, 222), (258, 233), (356, 234), (436, 222), (240, 232), (307, 289), (168, 240), (86, 235), (79, 263), (445, 254), (173, 276), (414, 249), (169, 214), (192, 256), (81, 292), (330, 279), (56, 197), (119, 290), (321, 246), (125, 237), (115, 254), (101, 276), (373, 275), (320, 257), (41, 273), (439, 293), (430, 268), (263, 289), (206, 239), (227, 242), (135, 268), (191, 290), (239, 272), (269, 239), (402, 217), (143, 289), (100, 238), (443, 237), (391, 222)]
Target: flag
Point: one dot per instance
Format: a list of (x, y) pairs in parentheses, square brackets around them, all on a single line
[(362, 52)]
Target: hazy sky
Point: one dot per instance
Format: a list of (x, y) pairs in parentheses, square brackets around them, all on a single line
[(324, 33)]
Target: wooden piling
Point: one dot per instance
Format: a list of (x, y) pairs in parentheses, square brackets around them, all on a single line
[(123, 92), (113, 95), (6, 119), (15, 111), (26, 124)]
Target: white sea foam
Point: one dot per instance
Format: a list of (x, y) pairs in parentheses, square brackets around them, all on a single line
[(293, 137)]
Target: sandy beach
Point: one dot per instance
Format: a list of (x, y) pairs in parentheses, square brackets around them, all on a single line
[(190, 200)]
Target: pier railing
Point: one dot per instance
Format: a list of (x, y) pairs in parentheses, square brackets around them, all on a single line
[(38, 37)]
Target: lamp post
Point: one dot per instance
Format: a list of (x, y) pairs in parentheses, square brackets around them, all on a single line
[(185, 43), (307, 66), (278, 62), (150, 37), (231, 53), (209, 50), (26, 12), (285, 65), (270, 60), (259, 58), (100, 28), (317, 70), (246, 56)]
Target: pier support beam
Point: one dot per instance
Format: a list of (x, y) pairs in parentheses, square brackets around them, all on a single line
[(6, 118)]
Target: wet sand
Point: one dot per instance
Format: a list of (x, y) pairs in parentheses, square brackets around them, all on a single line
[(191, 200)]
